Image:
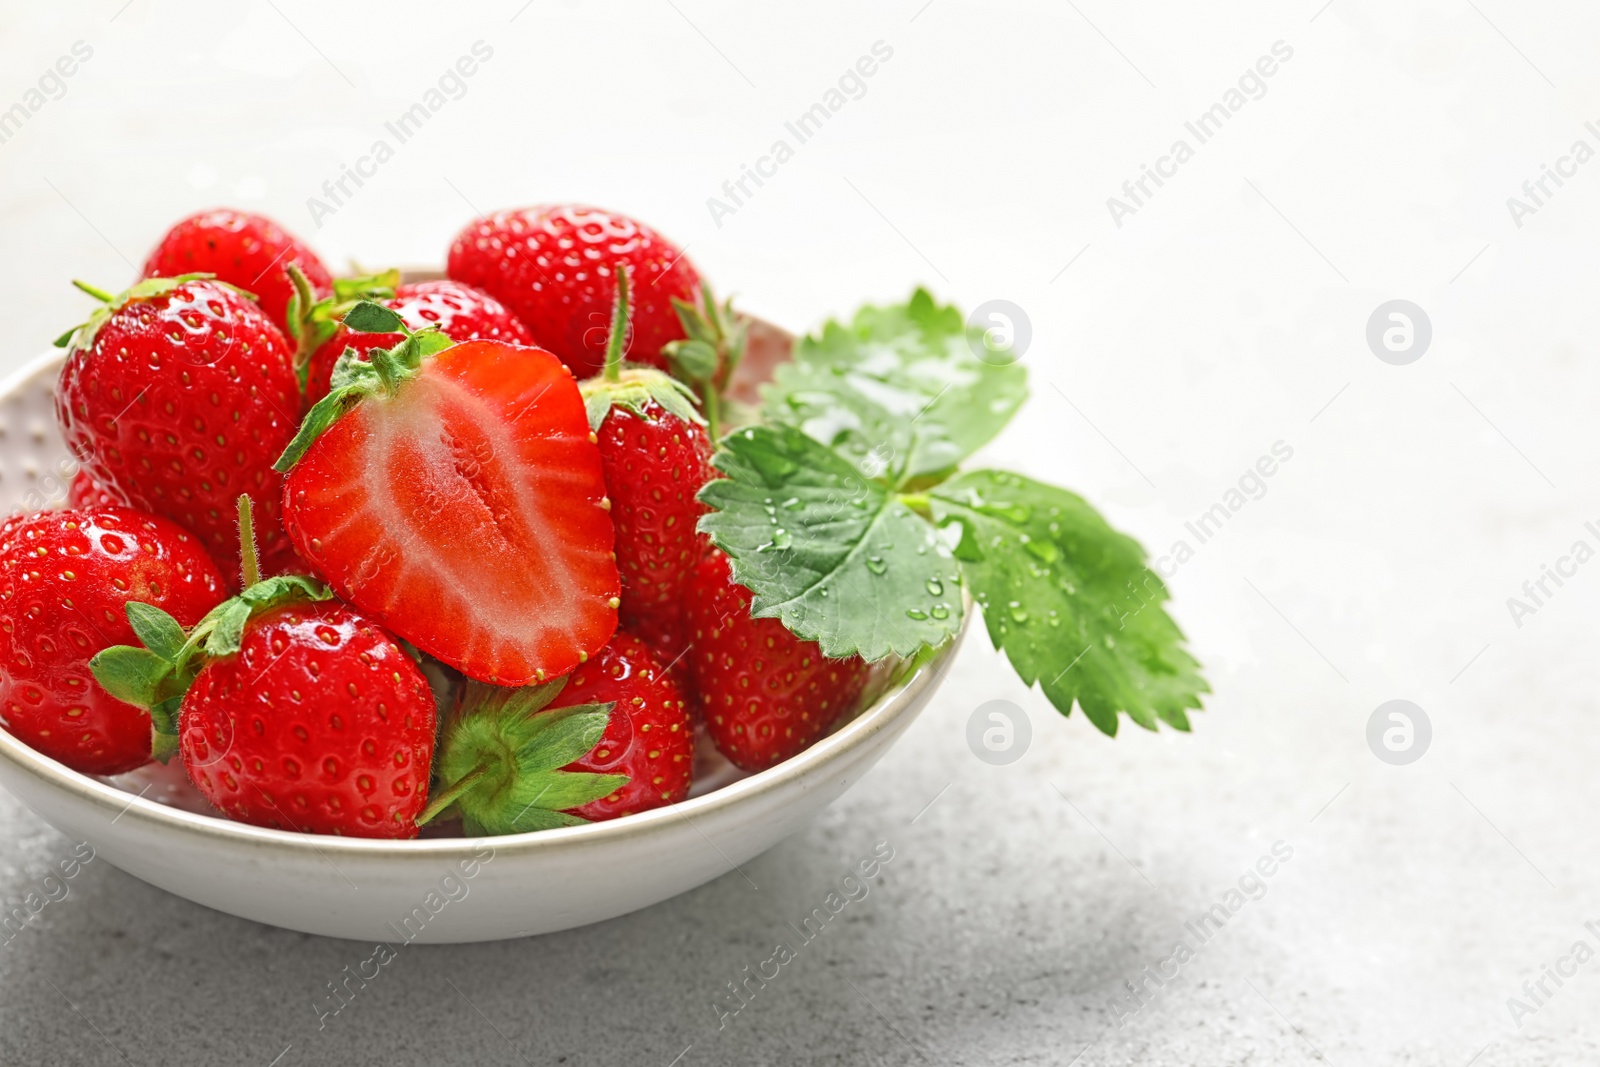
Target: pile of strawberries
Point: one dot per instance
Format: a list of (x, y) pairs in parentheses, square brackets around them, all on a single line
[(367, 555)]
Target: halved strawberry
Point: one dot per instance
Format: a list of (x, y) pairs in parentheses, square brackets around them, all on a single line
[(455, 494)]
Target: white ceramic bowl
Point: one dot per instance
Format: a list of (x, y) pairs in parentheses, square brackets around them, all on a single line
[(435, 890)]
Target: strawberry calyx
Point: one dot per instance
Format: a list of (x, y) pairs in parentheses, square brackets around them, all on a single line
[(315, 320), (500, 757), (631, 386), (380, 371), (156, 676), (83, 334), (711, 353), (634, 390)]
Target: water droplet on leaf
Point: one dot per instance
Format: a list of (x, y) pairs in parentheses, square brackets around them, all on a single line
[(1044, 550)]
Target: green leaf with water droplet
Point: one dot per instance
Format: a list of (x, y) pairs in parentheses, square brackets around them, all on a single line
[(1071, 601), (899, 391), (843, 562)]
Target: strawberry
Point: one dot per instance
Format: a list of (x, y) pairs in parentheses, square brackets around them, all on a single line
[(611, 739), (765, 694), (554, 267), (455, 494), (65, 580), (290, 709), (249, 251), (459, 311), (648, 738), (177, 395), (656, 456), (320, 722), (85, 492)]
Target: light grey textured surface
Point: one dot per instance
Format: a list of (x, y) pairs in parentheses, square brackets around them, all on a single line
[(1227, 313)]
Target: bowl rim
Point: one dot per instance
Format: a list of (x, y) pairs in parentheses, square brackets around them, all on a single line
[(897, 700)]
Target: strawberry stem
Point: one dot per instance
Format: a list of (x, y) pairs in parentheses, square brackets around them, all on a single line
[(388, 368), (99, 294), (712, 402), (250, 568), (449, 796), (619, 327), (734, 346), (304, 323), (709, 354)]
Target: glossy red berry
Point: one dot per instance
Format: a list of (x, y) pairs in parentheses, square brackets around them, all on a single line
[(765, 695), (249, 251), (655, 463), (648, 737), (555, 267), (178, 401), (65, 577), (320, 723)]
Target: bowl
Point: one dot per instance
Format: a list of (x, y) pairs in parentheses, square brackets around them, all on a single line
[(435, 890)]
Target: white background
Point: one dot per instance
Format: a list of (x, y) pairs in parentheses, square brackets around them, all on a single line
[(1227, 314)]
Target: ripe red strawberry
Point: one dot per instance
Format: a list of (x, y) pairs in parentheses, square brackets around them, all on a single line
[(648, 737), (178, 395), (459, 311), (655, 462), (764, 693), (554, 267), (455, 494), (86, 493), (319, 723), (656, 456), (289, 709), (65, 577), (249, 251)]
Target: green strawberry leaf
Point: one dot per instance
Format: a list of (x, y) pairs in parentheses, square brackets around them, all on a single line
[(694, 360), (554, 791), (130, 674), (900, 391), (556, 737), (270, 592), (1070, 600), (227, 632), (838, 558), (159, 631), (369, 317)]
